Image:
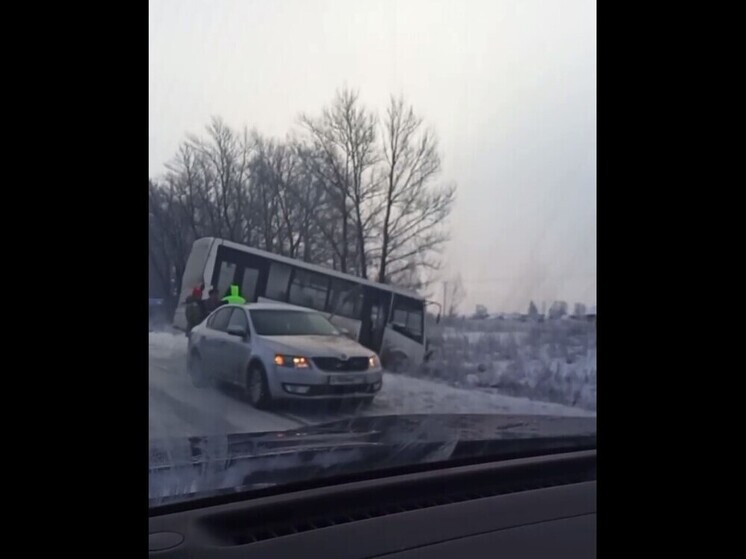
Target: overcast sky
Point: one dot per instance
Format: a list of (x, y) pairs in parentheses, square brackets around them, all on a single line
[(509, 86)]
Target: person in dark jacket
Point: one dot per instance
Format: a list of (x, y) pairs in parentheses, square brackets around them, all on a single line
[(213, 301), (195, 311)]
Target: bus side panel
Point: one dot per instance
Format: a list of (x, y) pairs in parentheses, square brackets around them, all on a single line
[(394, 342), (195, 273)]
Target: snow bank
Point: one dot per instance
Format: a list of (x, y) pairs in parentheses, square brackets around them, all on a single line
[(166, 345), (405, 394)]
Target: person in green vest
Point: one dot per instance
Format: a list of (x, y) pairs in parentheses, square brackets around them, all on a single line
[(234, 298)]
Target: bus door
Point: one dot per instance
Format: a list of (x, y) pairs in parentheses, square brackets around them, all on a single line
[(376, 305), (247, 271)]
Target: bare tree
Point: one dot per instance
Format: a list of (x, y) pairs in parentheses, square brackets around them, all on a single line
[(343, 140), (288, 196), (223, 159), (308, 194), (267, 176), (167, 242), (455, 295), (413, 210), (334, 196), (557, 310), (481, 312)]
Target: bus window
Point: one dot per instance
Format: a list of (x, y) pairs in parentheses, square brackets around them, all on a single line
[(308, 289), (277, 284), (345, 299), (226, 276), (408, 317), (249, 283)]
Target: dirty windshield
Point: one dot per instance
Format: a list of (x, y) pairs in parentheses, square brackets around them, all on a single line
[(372, 224)]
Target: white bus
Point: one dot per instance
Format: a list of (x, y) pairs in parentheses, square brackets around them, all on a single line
[(387, 319)]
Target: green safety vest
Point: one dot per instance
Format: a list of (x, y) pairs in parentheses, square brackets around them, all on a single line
[(234, 297)]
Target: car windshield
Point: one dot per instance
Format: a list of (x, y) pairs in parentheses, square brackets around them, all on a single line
[(291, 323), (388, 208)]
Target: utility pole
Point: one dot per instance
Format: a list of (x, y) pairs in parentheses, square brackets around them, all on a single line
[(445, 287)]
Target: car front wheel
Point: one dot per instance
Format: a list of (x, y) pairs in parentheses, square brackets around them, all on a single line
[(256, 388)]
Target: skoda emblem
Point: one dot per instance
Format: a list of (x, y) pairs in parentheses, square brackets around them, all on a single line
[(343, 357)]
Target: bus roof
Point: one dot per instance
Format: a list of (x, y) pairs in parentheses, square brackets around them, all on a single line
[(314, 267)]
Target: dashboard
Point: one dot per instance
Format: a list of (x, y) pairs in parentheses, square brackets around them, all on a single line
[(542, 506)]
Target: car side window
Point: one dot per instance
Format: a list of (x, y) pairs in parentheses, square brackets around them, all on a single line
[(220, 319), (238, 318)]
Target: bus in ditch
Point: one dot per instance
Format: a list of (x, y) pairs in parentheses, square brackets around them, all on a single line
[(384, 318)]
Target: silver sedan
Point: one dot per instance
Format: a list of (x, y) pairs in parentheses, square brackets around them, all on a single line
[(274, 351)]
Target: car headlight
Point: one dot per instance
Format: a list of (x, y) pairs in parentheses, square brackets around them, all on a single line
[(292, 361), (374, 362)]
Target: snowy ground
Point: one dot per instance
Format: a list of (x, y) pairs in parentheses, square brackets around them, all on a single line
[(179, 409), (552, 361)]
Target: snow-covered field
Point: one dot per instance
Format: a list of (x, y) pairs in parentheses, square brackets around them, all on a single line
[(552, 361), (178, 408)]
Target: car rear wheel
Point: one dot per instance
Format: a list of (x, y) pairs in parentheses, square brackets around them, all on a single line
[(256, 388)]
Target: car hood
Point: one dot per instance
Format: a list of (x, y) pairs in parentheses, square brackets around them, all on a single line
[(199, 467), (318, 346)]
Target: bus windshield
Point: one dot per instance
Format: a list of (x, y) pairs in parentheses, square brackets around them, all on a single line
[(291, 323)]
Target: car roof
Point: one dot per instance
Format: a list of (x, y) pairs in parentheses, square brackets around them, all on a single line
[(275, 307)]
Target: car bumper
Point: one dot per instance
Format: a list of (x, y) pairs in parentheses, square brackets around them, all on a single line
[(314, 384)]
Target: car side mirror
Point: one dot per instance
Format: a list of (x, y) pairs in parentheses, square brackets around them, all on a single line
[(239, 331)]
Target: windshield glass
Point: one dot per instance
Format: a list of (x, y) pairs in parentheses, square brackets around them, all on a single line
[(291, 323), (420, 177)]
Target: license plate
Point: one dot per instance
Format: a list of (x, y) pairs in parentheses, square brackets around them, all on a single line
[(347, 379)]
